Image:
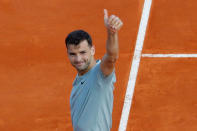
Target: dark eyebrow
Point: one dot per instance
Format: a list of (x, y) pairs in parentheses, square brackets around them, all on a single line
[(71, 53)]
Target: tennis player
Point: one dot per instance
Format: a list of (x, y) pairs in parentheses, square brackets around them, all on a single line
[(91, 99)]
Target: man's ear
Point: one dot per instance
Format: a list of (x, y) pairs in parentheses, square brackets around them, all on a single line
[(93, 50)]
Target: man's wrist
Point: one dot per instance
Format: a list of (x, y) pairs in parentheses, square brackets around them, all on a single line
[(112, 33)]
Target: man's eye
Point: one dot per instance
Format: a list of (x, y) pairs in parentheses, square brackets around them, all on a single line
[(83, 52)]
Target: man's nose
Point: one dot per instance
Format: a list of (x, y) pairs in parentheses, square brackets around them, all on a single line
[(78, 58)]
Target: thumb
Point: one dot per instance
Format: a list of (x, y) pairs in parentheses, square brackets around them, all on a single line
[(105, 15)]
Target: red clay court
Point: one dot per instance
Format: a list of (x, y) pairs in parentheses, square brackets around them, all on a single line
[(36, 76)]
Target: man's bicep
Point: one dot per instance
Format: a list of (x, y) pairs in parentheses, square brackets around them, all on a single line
[(107, 64)]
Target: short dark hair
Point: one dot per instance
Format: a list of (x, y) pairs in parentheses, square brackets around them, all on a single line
[(78, 36)]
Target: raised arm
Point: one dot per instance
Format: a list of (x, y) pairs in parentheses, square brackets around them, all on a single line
[(113, 25)]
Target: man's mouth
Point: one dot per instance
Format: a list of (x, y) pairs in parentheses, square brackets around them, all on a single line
[(79, 63)]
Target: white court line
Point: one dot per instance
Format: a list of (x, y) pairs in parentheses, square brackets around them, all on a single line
[(135, 65), (171, 55)]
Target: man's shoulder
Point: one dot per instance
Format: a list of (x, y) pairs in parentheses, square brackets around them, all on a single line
[(96, 67), (99, 74)]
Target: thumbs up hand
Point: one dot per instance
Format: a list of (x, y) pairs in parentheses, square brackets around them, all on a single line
[(112, 23)]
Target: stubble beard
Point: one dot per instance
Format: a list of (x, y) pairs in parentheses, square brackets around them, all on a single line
[(84, 67)]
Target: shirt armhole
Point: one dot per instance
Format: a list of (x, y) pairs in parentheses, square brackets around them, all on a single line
[(110, 77)]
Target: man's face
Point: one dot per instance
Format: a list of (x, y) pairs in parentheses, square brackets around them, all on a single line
[(80, 55)]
